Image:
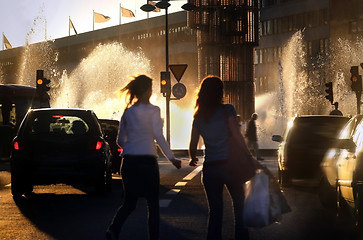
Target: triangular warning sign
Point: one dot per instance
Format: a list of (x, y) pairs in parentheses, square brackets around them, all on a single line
[(178, 70)]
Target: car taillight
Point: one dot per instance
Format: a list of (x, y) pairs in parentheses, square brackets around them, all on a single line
[(98, 145), (16, 146)]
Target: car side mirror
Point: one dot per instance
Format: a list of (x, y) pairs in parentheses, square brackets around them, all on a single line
[(346, 144), (277, 138)]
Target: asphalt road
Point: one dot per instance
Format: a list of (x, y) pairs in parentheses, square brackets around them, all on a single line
[(66, 212)]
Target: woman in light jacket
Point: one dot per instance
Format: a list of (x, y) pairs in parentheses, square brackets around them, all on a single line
[(140, 126)]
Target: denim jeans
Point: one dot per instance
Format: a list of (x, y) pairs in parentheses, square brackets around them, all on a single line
[(215, 177), (140, 175)]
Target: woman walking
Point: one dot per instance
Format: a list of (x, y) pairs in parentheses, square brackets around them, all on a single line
[(210, 121), (140, 125)]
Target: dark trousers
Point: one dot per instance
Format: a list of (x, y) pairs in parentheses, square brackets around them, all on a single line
[(140, 175), (215, 177)]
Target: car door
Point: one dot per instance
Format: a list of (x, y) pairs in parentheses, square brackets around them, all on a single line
[(347, 163)]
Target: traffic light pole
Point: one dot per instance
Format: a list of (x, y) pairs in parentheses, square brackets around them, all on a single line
[(168, 92), (358, 95)]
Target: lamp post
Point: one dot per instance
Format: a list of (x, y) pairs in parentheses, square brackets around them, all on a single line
[(164, 4)]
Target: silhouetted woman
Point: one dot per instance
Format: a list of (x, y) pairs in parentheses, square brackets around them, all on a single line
[(140, 125), (210, 121)]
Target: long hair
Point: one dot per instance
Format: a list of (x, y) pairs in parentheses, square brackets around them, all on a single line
[(136, 88), (210, 96)]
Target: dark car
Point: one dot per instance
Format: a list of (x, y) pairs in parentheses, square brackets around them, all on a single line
[(59, 146), (110, 129), (343, 168), (302, 148)]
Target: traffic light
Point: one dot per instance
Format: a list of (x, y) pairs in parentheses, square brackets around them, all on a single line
[(356, 79), (41, 83), (329, 91), (165, 87)]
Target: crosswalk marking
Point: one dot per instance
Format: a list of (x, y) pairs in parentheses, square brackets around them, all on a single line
[(166, 202), (173, 191), (194, 173)]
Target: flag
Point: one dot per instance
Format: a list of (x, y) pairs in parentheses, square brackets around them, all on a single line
[(72, 26), (100, 18), (154, 4), (6, 42), (127, 13)]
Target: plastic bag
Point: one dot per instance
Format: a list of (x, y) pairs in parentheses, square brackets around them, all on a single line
[(264, 201), (256, 212), (278, 202)]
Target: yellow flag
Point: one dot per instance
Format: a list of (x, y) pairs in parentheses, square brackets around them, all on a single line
[(72, 26), (127, 13), (100, 18), (6, 42)]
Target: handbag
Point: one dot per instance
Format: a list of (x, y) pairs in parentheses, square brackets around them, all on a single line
[(242, 166)]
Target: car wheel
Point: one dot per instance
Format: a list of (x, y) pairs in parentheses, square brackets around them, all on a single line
[(19, 185), (341, 207), (327, 194), (284, 178), (358, 200), (100, 185), (109, 180)]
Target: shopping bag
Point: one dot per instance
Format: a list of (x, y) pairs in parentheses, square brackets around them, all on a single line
[(256, 212), (278, 202)]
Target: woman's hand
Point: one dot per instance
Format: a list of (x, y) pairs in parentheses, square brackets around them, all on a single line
[(193, 162), (176, 163)]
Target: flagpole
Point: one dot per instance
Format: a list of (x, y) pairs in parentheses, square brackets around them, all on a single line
[(45, 30), (69, 26), (93, 20), (120, 13)]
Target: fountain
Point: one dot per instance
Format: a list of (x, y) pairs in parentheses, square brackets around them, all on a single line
[(303, 93)]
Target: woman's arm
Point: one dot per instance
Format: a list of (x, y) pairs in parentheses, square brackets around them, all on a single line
[(193, 147), (157, 126), (236, 134)]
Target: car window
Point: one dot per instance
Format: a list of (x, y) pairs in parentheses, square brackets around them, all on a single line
[(347, 131), (59, 125), (314, 130), (358, 136)]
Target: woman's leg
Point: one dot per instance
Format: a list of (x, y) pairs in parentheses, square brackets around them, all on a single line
[(213, 186), (236, 192), (128, 172), (152, 184)]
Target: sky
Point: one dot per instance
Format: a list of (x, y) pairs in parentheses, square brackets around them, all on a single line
[(23, 21)]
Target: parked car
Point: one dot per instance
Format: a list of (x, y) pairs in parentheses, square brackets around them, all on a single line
[(303, 145), (110, 129), (327, 192), (59, 146), (343, 169)]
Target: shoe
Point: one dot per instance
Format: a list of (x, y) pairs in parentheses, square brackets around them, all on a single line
[(111, 235), (260, 159)]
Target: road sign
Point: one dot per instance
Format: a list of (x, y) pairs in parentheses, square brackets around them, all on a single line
[(178, 70), (179, 90)]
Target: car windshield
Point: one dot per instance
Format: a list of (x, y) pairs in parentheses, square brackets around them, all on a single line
[(315, 130), (58, 125)]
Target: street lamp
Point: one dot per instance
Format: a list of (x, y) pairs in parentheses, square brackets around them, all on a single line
[(164, 4)]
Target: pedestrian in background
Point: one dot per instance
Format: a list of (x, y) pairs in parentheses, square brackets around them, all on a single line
[(251, 135), (210, 122), (140, 125)]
